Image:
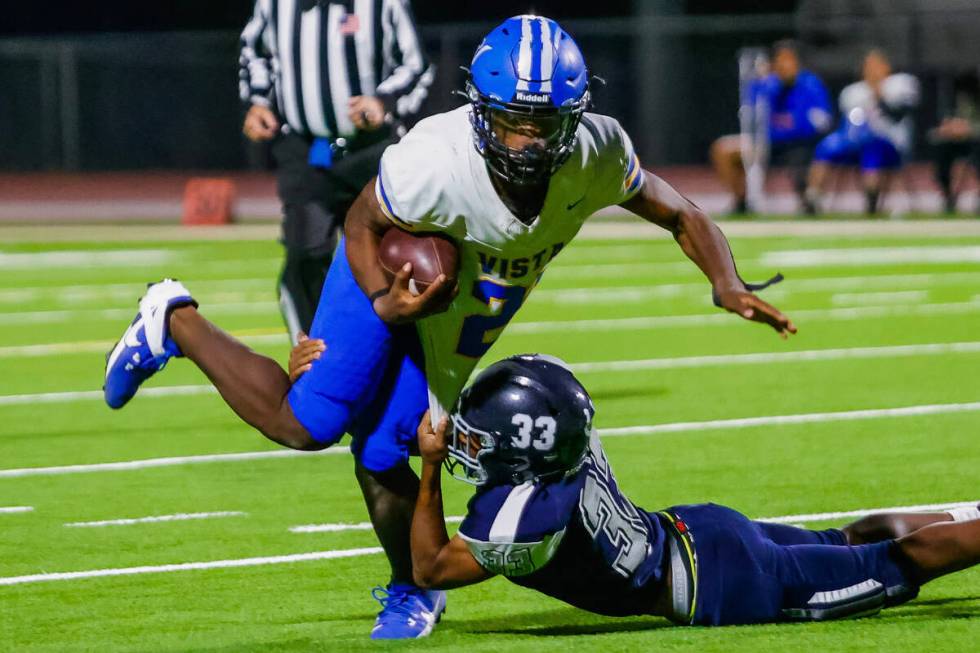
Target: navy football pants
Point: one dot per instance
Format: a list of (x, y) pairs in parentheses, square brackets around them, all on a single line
[(753, 572)]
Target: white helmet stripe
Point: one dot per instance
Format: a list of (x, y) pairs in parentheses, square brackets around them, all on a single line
[(524, 58), (547, 51)]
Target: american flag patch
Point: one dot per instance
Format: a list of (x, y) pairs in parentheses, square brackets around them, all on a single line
[(349, 24)]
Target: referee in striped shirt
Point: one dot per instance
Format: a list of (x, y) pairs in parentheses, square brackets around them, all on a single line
[(330, 83)]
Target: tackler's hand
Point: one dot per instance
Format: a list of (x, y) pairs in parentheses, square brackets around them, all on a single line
[(433, 444), (400, 305), (750, 307), (303, 354)]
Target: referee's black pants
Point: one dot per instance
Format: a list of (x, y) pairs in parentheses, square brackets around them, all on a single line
[(315, 202)]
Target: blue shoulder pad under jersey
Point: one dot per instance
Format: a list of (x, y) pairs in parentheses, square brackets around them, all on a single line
[(514, 530)]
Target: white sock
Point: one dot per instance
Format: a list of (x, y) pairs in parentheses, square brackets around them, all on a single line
[(968, 513)]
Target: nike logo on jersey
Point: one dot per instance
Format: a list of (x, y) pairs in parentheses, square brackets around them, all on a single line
[(576, 203), (504, 268)]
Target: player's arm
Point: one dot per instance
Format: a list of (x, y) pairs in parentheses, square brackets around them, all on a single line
[(704, 243), (437, 560), (366, 224)]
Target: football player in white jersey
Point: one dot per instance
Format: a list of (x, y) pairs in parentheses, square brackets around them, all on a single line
[(510, 177)]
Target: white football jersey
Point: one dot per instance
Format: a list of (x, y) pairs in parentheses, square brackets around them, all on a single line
[(434, 180), (901, 91)]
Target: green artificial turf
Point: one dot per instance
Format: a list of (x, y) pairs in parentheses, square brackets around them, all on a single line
[(80, 296)]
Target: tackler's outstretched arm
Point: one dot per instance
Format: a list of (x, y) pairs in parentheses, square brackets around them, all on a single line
[(705, 244), (438, 561)]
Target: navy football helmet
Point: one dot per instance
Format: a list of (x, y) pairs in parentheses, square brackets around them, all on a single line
[(527, 69), (525, 418)]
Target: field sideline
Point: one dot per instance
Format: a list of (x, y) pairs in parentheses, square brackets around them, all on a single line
[(170, 526)]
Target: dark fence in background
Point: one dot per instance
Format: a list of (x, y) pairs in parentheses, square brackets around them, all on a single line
[(170, 100), (157, 100)]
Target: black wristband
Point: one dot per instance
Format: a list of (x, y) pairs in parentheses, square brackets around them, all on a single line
[(378, 293), (751, 287)]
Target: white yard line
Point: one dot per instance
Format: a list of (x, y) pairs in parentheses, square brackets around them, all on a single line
[(54, 349), (804, 418), (87, 292), (684, 362), (862, 256), (12, 510), (828, 516), (865, 298), (779, 357), (351, 553), (166, 462), (717, 318), (189, 566), (96, 395), (102, 346), (73, 315), (340, 527), (331, 528), (742, 422), (184, 516), (85, 258), (616, 294)]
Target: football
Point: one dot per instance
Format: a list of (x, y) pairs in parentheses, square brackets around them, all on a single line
[(429, 254)]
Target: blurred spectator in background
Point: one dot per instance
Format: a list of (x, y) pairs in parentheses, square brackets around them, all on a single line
[(875, 132), (330, 84), (958, 137), (797, 114)]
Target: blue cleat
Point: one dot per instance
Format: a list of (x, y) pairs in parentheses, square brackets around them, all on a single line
[(145, 348), (407, 611)]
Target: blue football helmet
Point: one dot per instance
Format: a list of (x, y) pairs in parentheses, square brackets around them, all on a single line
[(525, 418), (529, 69)]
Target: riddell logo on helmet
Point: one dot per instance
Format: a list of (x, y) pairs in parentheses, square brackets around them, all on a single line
[(533, 97)]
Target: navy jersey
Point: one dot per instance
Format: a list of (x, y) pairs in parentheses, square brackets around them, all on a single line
[(798, 112), (579, 540)]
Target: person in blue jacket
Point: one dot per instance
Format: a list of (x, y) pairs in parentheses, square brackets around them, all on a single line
[(797, 115)]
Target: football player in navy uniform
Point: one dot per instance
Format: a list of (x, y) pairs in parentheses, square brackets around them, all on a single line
[(548, 515)]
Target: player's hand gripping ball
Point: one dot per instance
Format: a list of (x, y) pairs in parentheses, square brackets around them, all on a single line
[(429, 254)]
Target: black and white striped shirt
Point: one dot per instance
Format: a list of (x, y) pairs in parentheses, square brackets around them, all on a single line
[(307, 58)]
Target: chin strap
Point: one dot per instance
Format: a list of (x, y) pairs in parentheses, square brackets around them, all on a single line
[(751, 287)]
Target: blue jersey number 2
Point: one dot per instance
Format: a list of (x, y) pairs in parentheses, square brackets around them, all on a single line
[(479, 332)]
